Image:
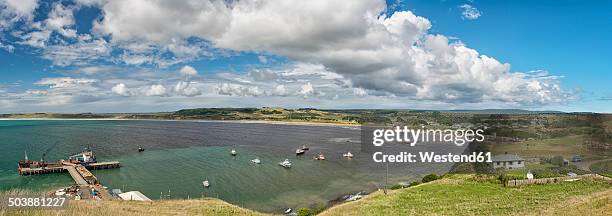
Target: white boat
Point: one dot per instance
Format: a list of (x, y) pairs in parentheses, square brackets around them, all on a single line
[(286, 163), (234, 153), (206, 183), (289, 210), (348, 155), (305, 148), (256, 161), (299, 151), (60, 192), (320, 157)]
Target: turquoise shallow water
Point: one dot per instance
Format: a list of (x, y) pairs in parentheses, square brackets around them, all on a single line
[(180, 155)]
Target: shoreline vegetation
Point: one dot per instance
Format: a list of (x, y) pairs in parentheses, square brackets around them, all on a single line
[(453, 194)]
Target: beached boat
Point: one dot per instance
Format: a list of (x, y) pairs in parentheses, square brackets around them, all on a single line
[(256, 161), (347, 155), (305, 148), (286, 163), (320, 157), (289, 210), (299, 152), (233, 152), (206, 183)]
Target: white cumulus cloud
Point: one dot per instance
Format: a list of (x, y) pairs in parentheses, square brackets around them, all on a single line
[(469, 12), (121, 89)]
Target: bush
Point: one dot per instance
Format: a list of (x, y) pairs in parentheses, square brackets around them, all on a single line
[(557, 160), (414, 184), (395, 187), (304, 212), (503, 178), (430, 177)]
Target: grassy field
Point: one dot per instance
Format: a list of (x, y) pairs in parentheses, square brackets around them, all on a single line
[(603, 168), (136, 208), (565, 146), (469, 195)]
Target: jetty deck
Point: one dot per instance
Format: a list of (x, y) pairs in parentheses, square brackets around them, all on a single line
[(78, 167), (76, 176)]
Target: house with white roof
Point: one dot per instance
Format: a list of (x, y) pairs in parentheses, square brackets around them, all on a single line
[(508, 161)]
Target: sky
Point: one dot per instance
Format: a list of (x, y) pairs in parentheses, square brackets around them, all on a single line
[(153, 55)]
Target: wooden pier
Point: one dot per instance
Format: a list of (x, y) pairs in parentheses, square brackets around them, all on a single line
[(79, 173)]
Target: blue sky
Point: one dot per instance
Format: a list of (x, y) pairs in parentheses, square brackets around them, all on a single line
[(131, 56)]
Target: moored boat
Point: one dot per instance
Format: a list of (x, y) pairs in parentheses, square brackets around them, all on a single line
[(233, 152), (286, 163), (305, 148), (347, 155), (206, 183), (256, 161), (299, 152), (320, 157)]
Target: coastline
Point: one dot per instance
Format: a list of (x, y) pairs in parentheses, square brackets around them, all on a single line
[(301, 123)]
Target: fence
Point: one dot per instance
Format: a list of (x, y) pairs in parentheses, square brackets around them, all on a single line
[(519, 183)]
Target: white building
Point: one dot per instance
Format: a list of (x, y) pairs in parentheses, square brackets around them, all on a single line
[(134, 195), (508, 161)]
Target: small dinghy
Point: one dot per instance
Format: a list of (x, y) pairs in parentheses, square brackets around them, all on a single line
[(256, 161), (320, 157), (289, 210), (206, 183), (233, 152), (140, 149)]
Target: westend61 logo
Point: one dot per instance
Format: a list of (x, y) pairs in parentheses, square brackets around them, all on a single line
[(433, 144)]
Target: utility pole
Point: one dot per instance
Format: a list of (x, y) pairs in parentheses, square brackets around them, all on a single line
[(386, 177)]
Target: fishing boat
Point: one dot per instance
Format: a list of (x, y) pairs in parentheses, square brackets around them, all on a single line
[(256, 161), (140, 149), (320, 157), (206, 183), (347, 155), (286, 163), (299, 152), (233, 152), (305, 148)]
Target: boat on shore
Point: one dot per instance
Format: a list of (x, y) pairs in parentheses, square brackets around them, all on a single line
[(320, 157), (286, 163)]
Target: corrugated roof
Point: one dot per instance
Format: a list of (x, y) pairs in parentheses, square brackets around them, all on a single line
[(507, 157)]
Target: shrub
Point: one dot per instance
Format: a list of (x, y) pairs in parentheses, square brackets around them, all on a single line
[(304, 212), (430, 177), (503, 178), (557, 160), (415, 183), (395, 187)]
